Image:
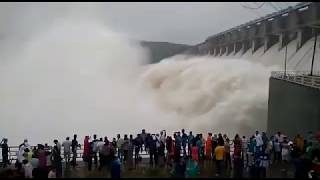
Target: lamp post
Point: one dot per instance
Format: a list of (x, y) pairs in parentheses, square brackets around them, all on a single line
[(285, 61)]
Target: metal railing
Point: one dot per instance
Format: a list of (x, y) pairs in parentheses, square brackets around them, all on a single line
[(298, 7), (13, 151), (299, 77)]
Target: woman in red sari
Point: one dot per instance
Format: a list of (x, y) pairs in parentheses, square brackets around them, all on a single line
[(86, 146), (208, 147)]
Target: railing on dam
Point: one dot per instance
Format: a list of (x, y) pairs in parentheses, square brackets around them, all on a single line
[(13, 151), (299, 77)]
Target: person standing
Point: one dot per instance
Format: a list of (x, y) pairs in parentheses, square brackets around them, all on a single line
[(87, 152), (125, 148), (178, 144), (244, 150), (238, 165), (153, 150), (220, 156), (259, 143), (214, 145), (203, 141), (137, 147), (56, 161), (67, 150), (20, 153), (120, 142), (299, 141), (227, 153), (129, 162), (184, 142), (143, 139), (285, 151), (190, 143), (5, 152), (42, 156), (105, 154), (75, 146), (99, 149), (199, 145), (95, 149), (208, 146), (170, 150)]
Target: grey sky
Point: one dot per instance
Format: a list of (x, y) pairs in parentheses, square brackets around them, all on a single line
[(179, 22)]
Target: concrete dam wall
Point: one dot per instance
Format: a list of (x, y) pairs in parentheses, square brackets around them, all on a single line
[(264, 40), (292, 108)]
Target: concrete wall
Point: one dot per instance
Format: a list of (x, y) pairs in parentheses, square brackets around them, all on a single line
[(292, 108)]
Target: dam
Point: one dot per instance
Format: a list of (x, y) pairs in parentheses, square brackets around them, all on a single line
[(286, 39)]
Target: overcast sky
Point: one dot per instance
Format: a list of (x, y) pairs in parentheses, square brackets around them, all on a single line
[(178, 22)]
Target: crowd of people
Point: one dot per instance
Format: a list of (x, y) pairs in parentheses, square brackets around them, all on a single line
[(182, 153)]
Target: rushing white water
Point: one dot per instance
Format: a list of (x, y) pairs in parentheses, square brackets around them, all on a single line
[(80, 77), (211, 95)]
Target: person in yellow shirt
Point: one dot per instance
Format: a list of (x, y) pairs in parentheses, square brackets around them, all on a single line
[(299, 141), (220, 156)]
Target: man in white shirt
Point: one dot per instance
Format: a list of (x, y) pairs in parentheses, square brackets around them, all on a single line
[(67, 150), (279, 136), (244, 151), (163, 136), (120, 142), (259, 141), (20, 153), (100, 144)]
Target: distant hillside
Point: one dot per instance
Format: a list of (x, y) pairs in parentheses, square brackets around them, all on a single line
[(161, 50)]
